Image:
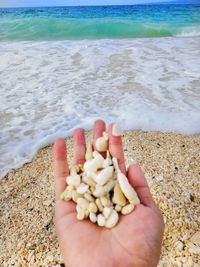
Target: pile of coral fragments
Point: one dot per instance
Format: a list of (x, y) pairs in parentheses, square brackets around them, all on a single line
[(99, 188)]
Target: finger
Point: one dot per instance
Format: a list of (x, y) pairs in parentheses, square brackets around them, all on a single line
[(116, 149), (98, 129), (78, 146), (60, 167), (138, 181)]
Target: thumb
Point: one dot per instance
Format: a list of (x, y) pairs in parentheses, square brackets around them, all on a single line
[(138, 181)]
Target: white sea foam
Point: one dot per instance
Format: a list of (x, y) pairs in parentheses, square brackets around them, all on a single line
[(189, 32), (49, 88)]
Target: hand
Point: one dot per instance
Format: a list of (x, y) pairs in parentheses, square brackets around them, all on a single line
[(135, 241)]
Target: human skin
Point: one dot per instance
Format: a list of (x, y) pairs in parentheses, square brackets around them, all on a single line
[(137, 238)]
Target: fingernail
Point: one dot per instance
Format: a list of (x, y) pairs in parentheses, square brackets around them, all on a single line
[(131, 162), (116, 130)]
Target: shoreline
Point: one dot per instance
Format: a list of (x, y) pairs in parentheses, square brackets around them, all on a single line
[(27, 233), (178, 36)]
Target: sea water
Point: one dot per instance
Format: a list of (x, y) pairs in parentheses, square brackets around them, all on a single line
[(99, 22), (51, 83)]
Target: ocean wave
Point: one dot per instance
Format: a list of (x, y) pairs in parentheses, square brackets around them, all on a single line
[(70, 29), (78, 23), (60, 29), (188, 33)]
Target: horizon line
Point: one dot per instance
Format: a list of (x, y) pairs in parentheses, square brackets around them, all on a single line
[(138, 4)]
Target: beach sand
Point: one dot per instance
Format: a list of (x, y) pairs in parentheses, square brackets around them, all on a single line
[(171, 163)]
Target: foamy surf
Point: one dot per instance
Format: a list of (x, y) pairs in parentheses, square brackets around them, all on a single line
[(189, 32), (49, 88)]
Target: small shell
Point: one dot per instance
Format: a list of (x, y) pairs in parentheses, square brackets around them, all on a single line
[(87, 165), (86, 213), (179, 245), (92, 188), (107, 162), (106, 212), (82, 188), (92, 207), (127, 189), (89, 197), (93, 217), (99, 191), (99, 205), (66, 195), (83, 203), (81, 214), (118, 197), (92, 175), (104, 175), (101, 220), (101, 144), (109, 186), (105, 200), (127, 209), (118, 208), (70, 187), (112, 219), (73, 180), (88, 180), (94, 164), (75, 195), (78, 208)]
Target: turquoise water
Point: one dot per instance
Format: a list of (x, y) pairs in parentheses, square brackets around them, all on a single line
[(72, 23)]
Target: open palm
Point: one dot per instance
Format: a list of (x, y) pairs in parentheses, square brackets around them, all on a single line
[(137, 238)]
